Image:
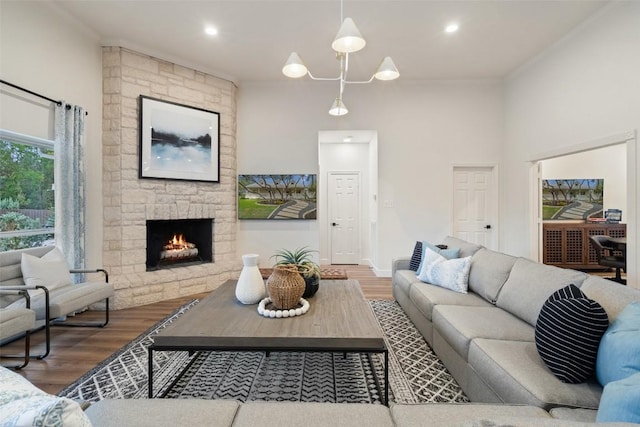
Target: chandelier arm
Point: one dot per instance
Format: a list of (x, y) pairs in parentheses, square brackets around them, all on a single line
[(323, 78), (359, 81)]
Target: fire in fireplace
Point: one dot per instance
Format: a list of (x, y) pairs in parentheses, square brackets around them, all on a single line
[(178, 248), (172, 243)]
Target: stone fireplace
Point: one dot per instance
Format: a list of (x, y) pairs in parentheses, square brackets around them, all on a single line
[(178, 243), (131, 203)]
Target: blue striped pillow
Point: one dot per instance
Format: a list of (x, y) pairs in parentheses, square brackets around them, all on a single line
[(568, 333)]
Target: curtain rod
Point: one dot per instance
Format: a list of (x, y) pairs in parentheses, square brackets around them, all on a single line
[(31, 92), (36, 94)]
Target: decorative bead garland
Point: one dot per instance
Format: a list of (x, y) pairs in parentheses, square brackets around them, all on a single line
[(263, 311)]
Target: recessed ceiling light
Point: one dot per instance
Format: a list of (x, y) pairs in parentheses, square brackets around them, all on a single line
[(451, 28), (212, 31), (347, 139)]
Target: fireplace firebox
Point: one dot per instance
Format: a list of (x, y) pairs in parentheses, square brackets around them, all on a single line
[(176, 243)]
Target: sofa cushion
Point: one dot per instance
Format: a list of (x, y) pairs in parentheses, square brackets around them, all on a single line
[(489, 271), (618, 354), (16, 320), (310, 414), (568, 332), (426, 297), (451, 414), (459, 325), (159, 412), (23, 404), (466, 248), (66, 299), (574, 414), (612, 296), (449, 273), (514, 371), (620, 401), (530, 284)]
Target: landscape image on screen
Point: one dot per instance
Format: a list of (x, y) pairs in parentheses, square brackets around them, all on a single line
[(572, 199), (277, 196)]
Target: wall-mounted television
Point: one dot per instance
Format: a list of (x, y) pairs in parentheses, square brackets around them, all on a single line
[(572, 199), (277, 197)]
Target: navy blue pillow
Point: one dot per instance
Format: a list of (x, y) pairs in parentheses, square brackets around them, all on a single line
[(568, 333), (416, 258)]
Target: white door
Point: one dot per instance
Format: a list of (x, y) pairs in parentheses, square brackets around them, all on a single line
[(475, 205), (344, 217)]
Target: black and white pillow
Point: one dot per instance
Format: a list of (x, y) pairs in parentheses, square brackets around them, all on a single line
[(416, 258), (568, 333)]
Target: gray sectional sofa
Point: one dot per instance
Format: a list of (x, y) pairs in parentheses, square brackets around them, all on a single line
[(485, 338), (214, 413), (21, 403)]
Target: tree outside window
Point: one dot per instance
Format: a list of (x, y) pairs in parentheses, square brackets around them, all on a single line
[(27, 202)]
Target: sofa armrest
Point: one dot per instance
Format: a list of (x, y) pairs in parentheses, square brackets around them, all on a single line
[(401, 263), (91, 270)]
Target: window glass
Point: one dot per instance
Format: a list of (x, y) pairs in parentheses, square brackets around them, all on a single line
[(27, 203)]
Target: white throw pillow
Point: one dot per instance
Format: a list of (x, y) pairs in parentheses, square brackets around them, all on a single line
[(51, 271), (452, 274), (23, 404)]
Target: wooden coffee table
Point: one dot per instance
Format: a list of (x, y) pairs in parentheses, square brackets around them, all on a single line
[(339, 320)]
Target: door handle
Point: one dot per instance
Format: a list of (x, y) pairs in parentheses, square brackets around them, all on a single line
[(488, 227), (334, 224)]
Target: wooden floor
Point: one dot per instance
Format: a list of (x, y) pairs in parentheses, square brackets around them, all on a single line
[(76, 350)]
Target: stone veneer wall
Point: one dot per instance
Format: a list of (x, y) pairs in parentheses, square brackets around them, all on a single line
[(130, 201)]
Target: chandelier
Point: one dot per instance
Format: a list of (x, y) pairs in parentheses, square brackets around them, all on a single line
[(348, 40)]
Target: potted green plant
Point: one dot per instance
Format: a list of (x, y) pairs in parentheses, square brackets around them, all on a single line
[(309, 270)]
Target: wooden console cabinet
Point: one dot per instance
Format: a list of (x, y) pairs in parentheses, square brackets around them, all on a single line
[(567, 244)]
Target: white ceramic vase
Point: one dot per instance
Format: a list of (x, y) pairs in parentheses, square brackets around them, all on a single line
[(250, 288)]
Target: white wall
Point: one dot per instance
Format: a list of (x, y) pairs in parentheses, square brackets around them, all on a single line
[(608, 163), (43, 50), (584, 89), (423, 128)]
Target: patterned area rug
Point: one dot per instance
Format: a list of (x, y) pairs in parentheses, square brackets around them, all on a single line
[(326, 273), (415, 373)]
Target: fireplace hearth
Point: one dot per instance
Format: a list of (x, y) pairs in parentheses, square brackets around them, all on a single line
[(178, 243)]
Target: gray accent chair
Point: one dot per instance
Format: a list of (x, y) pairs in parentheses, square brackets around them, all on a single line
[(55, 305), (15, 322)]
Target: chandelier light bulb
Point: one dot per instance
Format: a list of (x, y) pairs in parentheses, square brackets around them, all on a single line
[(338, 108), (294, 67), (387, 70), (348, 38)]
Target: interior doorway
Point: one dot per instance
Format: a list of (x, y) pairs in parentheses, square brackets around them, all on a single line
[(624, 141), (347, 187)]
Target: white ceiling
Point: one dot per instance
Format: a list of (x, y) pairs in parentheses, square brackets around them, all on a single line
[(256, 36)]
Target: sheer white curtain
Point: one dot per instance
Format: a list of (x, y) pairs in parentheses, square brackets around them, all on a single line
[(70, 182)]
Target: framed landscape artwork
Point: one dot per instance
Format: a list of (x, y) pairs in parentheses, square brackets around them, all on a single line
[(178, 141), (572, 199), (277, 197)]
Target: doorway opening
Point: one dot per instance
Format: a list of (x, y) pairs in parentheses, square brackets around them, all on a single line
[(347, 197), (612, 159)]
